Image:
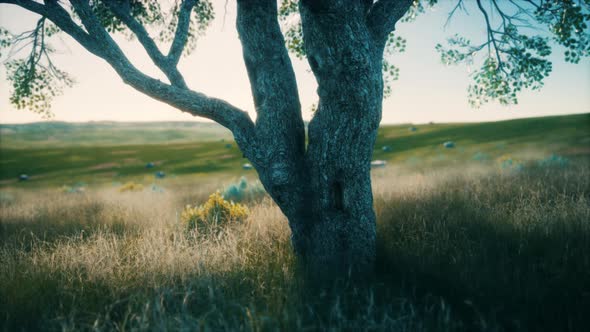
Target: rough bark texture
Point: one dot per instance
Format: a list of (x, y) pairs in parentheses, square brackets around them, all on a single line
[(347, 65), (324, 189)]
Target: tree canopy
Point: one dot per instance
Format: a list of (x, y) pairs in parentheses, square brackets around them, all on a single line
[(513, 55)]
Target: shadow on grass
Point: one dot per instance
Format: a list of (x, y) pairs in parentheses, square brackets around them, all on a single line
[(510, 252)]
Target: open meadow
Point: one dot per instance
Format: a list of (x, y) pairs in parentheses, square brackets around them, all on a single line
[(491, 234)]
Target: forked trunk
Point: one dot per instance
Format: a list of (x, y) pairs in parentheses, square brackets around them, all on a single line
[(336, 223), (324, 189)]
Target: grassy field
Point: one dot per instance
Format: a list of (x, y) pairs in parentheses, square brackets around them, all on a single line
[(493, 235), (91, 134), (76, 156)]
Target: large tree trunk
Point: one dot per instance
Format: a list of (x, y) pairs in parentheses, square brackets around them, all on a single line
[(339, 222), (324, 189)]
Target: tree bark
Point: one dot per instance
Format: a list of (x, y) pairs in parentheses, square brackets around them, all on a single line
[(347, 64), (324, 189)]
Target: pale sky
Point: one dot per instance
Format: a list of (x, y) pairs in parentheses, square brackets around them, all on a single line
[(426, 91)]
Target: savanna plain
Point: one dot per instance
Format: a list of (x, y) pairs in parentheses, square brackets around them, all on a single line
[(491, 233)]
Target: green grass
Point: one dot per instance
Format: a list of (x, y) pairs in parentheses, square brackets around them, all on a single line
[(76, 156), (63, 134), (528, 138)]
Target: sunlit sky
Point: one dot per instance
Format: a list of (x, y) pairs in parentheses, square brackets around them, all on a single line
[(426, 91)]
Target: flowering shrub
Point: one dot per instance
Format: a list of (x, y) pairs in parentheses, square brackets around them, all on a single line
[(131, 186), (214, 213)]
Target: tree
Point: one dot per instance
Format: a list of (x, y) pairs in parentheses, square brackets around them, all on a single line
[(321, 181)]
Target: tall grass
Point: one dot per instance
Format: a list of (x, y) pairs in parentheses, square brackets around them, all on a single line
[(469, 249)]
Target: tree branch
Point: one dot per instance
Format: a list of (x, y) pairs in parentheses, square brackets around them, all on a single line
[(383, 16), (181, 34), (99, 42), (165, 65), (265, 53), (490, 33), (271, 75), (56, 13)]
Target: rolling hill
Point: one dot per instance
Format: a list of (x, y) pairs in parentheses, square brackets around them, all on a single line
[(101, 153)]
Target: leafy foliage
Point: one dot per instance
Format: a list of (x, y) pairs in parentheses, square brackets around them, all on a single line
[(523, 64), (395, 44), (35, 86), (568, 22), (291, 25), (293, 32), (201, 17), (294, 40), (5, 39), (36, 81), (418, 7), (513, 60), (146, 12)]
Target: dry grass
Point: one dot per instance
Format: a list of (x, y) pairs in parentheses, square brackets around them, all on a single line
[(469, 249)]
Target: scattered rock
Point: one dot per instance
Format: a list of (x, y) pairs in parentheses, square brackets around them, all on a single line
[(449, 144), (150, 165), (386, 148), (160, 175), (247, 166), (23, 177), (378, 163)]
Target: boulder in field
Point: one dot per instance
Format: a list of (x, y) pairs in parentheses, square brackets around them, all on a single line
[(160, 175), (23, 177), (247, 166), (150, 165), (412, 129), (449, 144), (386, 148), (378, 163)]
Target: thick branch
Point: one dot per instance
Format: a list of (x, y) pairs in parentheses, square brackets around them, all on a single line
[(98, 42), (181, 34), (279, 126), (166, 66), (271, 77), (57, 14), (384, 15)]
